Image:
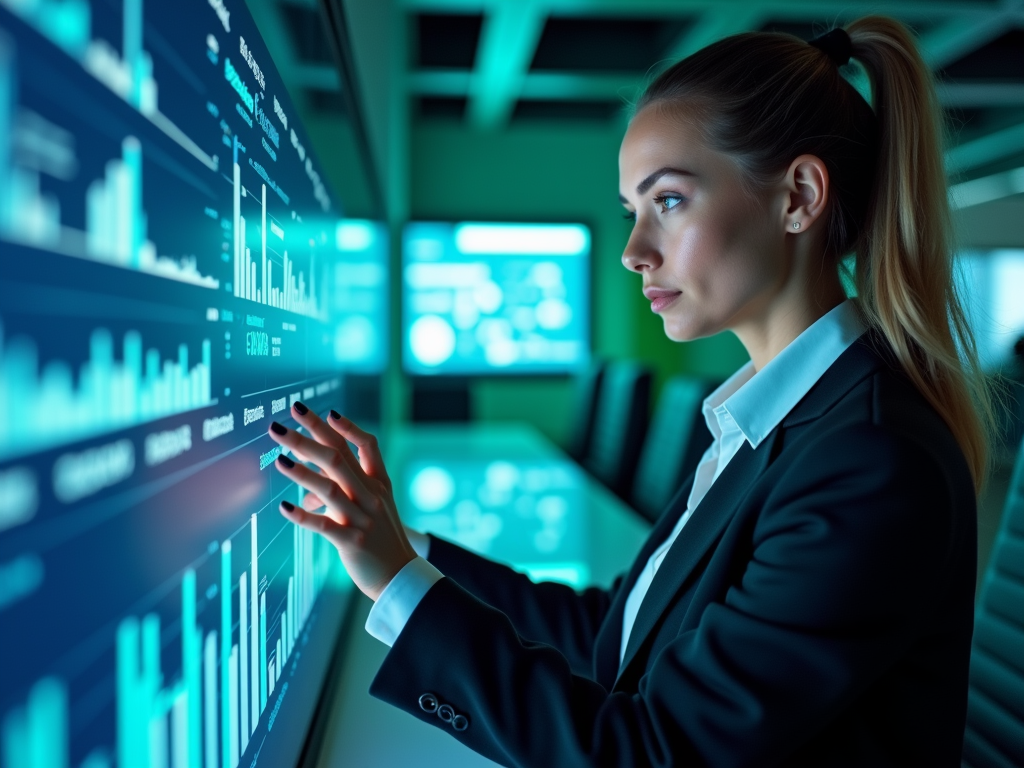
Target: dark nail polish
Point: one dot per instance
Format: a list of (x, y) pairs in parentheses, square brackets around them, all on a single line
[(277, 429), (285, 461), (335, 415), (288, 506), (300, 408)]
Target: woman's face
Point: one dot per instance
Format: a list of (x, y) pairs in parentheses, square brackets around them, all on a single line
[(710, 254)]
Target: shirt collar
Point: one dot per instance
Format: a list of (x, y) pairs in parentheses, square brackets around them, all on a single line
[(757, 401)]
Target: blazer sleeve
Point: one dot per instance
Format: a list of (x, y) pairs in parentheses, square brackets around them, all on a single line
[(848, 556), (546, 612)]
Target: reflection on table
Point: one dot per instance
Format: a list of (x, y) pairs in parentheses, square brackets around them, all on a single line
[(506, 492)]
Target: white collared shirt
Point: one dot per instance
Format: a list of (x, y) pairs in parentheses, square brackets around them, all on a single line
[(748, 406)]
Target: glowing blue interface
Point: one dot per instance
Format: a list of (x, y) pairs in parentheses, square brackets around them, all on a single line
[(527, 513), (175, 274), (481, 298)]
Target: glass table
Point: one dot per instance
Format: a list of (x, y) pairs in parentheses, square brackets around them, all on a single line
[(502, 490)]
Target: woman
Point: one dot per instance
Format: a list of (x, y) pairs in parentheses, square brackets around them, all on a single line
[(807, 597)]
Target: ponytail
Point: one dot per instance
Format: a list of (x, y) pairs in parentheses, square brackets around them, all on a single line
[(888, 203), (904, 269)]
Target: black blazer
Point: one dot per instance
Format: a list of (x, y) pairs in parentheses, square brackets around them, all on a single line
[(816, 610)]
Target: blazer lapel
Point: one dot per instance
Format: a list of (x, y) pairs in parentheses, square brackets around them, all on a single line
[(701, 531), (609, 637)]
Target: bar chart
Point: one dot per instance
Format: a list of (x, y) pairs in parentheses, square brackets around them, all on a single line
[(209, 711), (36, 734), (116, 223), (42, 409), (68, 24), (115, 226), (254, 278)]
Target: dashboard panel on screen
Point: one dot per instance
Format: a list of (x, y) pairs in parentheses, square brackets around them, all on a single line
[(492, 298), (175, 274)]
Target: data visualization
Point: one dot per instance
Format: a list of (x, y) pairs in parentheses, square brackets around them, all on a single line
[(483, 298), (175, 274)]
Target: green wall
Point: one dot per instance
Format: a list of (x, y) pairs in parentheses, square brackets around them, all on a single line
[(553, 172)]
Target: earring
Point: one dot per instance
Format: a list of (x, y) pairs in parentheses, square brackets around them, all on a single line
[(796, 225)]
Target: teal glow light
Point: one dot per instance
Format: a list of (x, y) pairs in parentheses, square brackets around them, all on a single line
[(432, 489), (546, 239), (354, 235), (575, 574)]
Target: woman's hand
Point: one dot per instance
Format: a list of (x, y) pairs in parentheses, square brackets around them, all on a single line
[(359, 517)]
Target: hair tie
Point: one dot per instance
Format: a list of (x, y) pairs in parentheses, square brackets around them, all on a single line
[(835, 44)]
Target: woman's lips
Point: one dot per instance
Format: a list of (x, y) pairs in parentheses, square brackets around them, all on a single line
[(661, 298)]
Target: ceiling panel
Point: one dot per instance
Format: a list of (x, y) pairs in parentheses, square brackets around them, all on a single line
[(492, 62), (605, 44), (1000, 60), (445, 107), (446, 40)]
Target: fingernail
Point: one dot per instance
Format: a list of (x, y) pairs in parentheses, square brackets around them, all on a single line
[(287, 506), (300, 408), (277, 429), (285, 461), (335, 415)]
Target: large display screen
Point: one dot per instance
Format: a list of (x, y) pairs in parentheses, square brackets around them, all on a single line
[(485, 298), (174, 274)]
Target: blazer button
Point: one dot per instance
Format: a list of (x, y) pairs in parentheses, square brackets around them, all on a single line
[(460, 722), (428, 703), (446, 713)]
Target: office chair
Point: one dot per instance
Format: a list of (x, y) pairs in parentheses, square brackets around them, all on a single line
[(586, 387), (995, 706), (676, 440), (620, 422)]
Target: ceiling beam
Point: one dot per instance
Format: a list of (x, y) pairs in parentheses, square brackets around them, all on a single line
[(986, 149), (713, 25), (980, 94), (589, 86), (508, 40), (904, 9), (555, 86), (967, 194), (959, 36)]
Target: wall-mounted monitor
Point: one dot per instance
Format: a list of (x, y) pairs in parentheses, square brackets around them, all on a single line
[(359, 297), (482, 298)]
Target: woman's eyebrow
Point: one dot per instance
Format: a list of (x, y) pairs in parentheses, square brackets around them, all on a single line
[(647, 183)]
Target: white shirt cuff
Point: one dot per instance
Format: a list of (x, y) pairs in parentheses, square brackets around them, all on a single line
[(399, 599), (420, 542)]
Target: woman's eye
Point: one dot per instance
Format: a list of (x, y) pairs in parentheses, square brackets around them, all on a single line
[(629, 215), (668, 202)]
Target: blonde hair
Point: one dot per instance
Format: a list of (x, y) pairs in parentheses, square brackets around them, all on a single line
[(904, 269), (766, 98)]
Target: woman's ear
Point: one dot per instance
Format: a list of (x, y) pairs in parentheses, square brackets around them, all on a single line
[(807, 185)]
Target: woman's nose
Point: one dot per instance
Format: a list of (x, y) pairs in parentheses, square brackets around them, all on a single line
[(639, 253)]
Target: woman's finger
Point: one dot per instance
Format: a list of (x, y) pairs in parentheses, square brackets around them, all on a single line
[(310, 501), (321, 524), (324, 434), (370, 458), (337, 501), (330, 461)]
